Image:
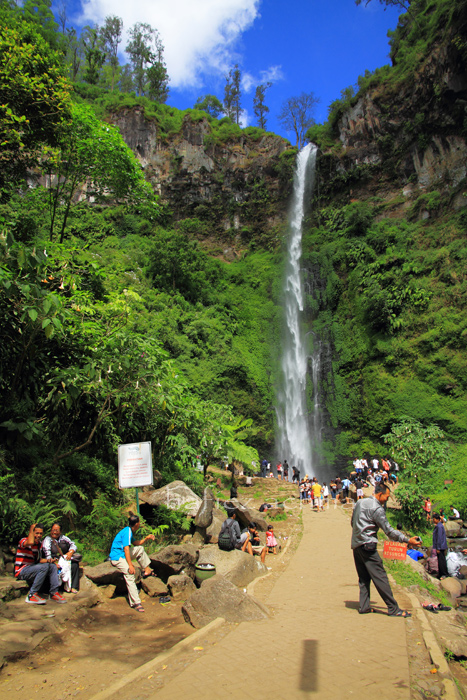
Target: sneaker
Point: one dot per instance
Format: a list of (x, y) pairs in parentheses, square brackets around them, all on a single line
[(35, 599), (58, 598)]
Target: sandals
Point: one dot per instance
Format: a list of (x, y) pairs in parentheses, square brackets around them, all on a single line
[(365, 612), (139, 608), (149, 575), (429, 606), (400, 613)]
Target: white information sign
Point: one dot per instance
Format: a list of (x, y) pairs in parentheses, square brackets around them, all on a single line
[(135, 465)]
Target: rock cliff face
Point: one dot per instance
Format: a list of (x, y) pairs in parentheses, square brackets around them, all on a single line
[(238, 189), (406, 136)]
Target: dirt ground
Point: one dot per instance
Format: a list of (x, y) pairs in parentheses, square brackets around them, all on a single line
[(99, 645), (95, 648)]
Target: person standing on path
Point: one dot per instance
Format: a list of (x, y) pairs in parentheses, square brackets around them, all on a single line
[(440, 545), (367, 518)]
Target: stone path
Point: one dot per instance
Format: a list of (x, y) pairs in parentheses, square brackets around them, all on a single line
[(315, 644)]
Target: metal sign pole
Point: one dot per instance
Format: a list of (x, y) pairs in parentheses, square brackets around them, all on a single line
[(137, 501)]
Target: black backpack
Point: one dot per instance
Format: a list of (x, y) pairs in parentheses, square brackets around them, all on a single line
[(227, 539)]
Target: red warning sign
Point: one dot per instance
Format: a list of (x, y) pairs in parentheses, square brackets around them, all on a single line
[(394, 550)]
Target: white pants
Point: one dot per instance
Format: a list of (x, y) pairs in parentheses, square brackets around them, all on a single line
[(143, 560)]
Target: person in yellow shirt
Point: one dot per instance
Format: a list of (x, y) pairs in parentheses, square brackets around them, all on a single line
[(316, 488)]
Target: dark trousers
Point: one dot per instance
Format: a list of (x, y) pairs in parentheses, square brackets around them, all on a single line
[(370, 568), (36, 574), (75, 575), (442, 566)]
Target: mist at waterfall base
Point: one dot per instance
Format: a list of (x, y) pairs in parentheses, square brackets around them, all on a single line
[(299, 426)]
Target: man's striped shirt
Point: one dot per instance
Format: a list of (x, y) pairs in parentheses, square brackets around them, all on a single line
[(26, 554)]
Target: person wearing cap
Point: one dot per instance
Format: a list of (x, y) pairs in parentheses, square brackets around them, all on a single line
[(367, 518)]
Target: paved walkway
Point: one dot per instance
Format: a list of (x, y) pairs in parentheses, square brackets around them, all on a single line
[(315, 644)]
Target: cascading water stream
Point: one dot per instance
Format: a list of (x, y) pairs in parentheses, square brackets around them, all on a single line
[(296, 432)]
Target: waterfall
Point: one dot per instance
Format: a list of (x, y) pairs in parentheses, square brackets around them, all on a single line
[(298, 433)]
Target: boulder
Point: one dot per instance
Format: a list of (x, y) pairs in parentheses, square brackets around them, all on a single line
[(247, 515), (458, 542), (240, 568), (109, 591), (463, 571), (212, 532), (204, 515), (218, 597), (452, 586), (154, 587), (174, 496), (181, 587), (11, 588), (453, 528), (107, 575), (198, 538), (175, 559)]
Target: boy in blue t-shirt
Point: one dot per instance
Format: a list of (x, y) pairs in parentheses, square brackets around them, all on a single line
[(122, 551)]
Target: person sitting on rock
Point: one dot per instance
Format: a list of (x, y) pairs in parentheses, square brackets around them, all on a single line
[(122, 551), (29, 567), (455, 515), (254, 545), (60, 548)]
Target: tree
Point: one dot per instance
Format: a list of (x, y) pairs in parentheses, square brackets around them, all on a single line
[(93, 154), (297, 115), (209, 104), (259, 108), (94, 53), (74, 52), (112, 35), (403, 4), (125, 81), (34, 98), (232, 94), (139, 50), (157, 76), (39, 13), (419, 449)]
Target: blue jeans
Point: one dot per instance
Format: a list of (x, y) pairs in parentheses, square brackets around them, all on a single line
[(35, 575)]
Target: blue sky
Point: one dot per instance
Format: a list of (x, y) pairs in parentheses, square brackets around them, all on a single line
[(303, 45)]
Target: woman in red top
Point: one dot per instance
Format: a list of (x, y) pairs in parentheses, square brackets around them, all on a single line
[(427, 509)]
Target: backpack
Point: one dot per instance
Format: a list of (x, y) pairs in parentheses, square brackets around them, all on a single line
[(227, 539)]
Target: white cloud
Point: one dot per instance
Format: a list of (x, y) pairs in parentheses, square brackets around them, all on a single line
[(271, 75), (244, 118), (248, 82), (198, 36)]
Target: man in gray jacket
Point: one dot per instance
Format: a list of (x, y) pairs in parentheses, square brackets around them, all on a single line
[(368, 516)]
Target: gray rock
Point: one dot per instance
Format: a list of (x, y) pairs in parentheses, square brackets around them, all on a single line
[(11, 588), (198, 538), (174, 496), (204, 515), (153, 586), (458, 542), (212, 532), (218, 597), (109, 591), (452, 586), (247, 515), (453, 528), (175, 559), (105, 574), (181, 587), (238, 567), (10, 568)]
